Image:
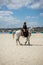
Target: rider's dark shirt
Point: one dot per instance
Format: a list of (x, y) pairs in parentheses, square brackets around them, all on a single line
[(26, 31), (24, 26)]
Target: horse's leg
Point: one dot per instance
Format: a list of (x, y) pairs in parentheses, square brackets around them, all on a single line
[(17, 40), (25, 42), (28, 39)]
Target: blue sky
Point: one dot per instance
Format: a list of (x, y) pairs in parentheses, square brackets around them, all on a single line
[(13, 13)]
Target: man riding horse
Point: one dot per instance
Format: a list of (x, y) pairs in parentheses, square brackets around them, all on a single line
[(25, 30)]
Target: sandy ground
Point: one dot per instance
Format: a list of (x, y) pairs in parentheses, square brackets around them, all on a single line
[(12, 54)]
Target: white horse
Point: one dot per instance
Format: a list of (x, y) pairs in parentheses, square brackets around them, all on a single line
[(18, 34)]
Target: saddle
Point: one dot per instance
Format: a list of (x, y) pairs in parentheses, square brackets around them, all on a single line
[(25, 33)]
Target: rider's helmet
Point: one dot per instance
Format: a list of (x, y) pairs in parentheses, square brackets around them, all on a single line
[(24, 22)]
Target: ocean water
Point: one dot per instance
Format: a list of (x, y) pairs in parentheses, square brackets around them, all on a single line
[(7, 32), (4, 32), (33, 32), (15, 32), (41, 32)]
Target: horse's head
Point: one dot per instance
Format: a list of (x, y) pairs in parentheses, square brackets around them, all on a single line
[(31, 29)]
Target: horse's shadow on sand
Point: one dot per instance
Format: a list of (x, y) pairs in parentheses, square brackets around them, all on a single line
[(31, 45)]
